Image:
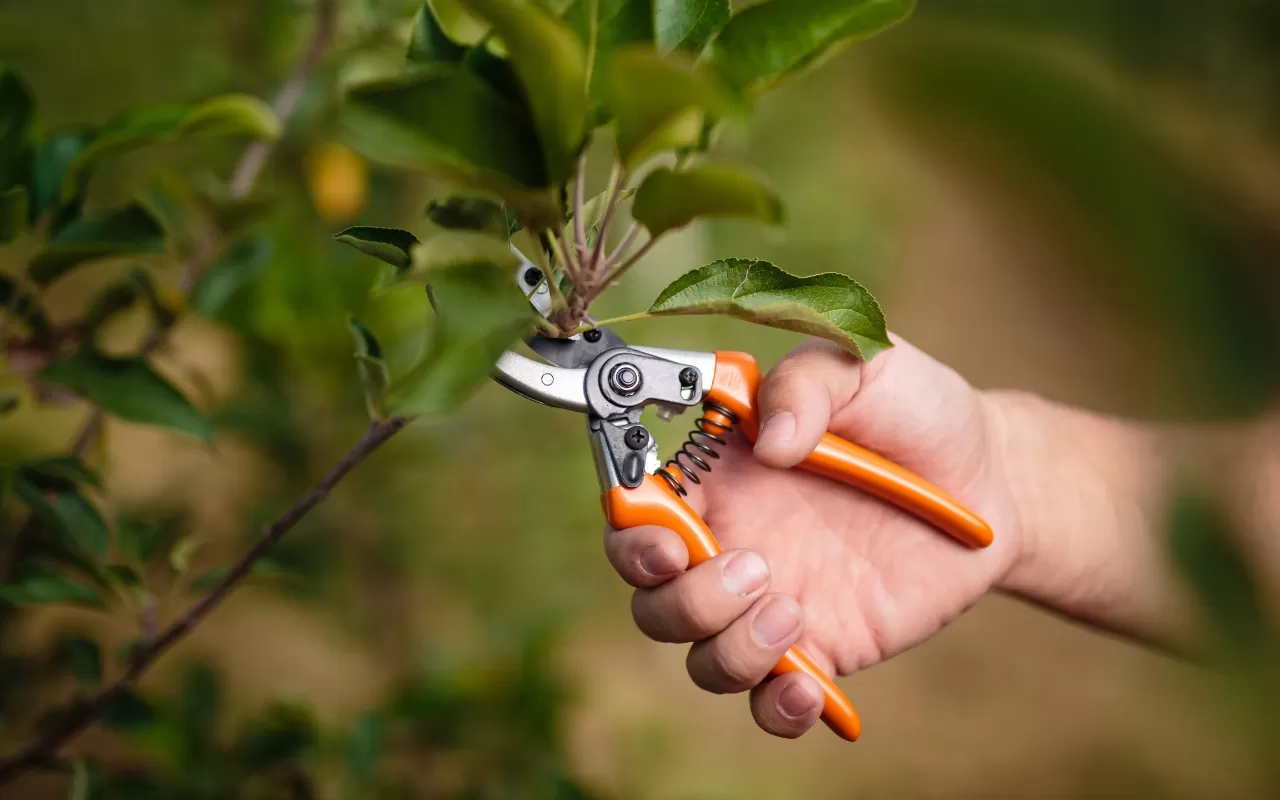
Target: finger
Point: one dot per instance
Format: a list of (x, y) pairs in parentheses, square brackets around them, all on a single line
[(788, 705), (703, 601), (798, 397), (740, 656), (647, 556)]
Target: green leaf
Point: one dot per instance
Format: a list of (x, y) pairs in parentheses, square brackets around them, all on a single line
[(284, 734), (390, 245), (54, 156), (451, 123), (84, 656), (687, 24), (119, 297), (228, 115), (659, 104), (457, 23), (832, 306), (128, 231), (429, 44), (17, 126), (616, 23), (51, 588), (9, 402), (668, 200), (262, 568), (459, 249), (224, 282), (57, 502), (364, 746), (20, 301), (125, 710), (182, 553), (766, 44), (124, 575), (199, 708), (480, 311), (143, 540), (65, 468), (13, 213), (375, 377), (593, 215), (460, 212), (551, 64), (81, 782), (128, 388)]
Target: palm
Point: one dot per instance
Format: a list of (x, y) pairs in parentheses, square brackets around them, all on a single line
[(872, 580)]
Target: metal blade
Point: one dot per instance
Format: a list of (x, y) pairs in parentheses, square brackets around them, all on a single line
[(572, 353)]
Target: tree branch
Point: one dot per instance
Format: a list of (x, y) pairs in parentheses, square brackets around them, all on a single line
[(84, 714)]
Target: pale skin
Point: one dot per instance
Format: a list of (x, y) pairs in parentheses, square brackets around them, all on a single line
[(1074, 499)]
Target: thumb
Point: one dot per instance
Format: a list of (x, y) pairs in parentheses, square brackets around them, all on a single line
[(798, 397)]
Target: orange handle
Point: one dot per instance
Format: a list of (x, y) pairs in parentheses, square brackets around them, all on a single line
[(653, 503), (735, 385)]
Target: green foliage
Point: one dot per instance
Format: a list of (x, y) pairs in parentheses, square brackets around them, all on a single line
[(84, 656), (17, 126), (130, 231), (13, 213), (473, 214), (21, 302), (229, 277), (390, 245), (831, 305), (375, 377), (668, 200), (769, 43), (687, 24), (129, 389), (40, 585), (50, 490)]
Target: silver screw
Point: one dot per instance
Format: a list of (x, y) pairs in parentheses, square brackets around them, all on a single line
[(625, 379)]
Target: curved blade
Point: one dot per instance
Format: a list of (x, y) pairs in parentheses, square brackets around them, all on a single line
[(573, 353)]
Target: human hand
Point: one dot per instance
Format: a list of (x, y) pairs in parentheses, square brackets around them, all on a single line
[(809, 561)]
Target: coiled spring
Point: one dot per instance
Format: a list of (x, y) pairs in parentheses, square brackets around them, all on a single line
[(710, 431)]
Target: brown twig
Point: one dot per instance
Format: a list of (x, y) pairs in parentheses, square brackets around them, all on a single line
[(83, 715)]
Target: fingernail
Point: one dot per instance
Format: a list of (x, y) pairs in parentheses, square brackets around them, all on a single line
[(795, 701), (657, 562), (744, 574), (778, 620), (778, 428)]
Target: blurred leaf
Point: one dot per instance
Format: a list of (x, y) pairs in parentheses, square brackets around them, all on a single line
[(659, 104), (832, 306), (9, 402), (228, 276), (429, 44), (118, 297), (126, 711), (125, 575), (551, 64), (452, 123), (182, 552), (17, 125), (480, 311), (128, 388), (593, 214), (58, 504), (766, 44), (375, 378), (199, 708), (53, 156), (262, 568), (616, 23), (81, 787), (143, 540), (457, 22), (13, 213), (49, 588), (131, 230), (390, 245), (471, 213), (364, 746), (281, 736), (23, 303), (668, 200), (462, 248), (1203, 549), (67, 468), (687, 24), (84, 656), (228, 115)]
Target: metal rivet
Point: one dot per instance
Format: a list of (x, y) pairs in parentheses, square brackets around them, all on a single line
[(548, 379), (592, 335), (625, 379), (533, 276)]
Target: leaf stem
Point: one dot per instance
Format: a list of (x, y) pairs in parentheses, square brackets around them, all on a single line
[(626, 265), (627, 239), (579, 202), (85, 713), (615, 183), (639, 315)]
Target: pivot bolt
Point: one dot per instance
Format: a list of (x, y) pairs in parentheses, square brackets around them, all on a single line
[(592, 335), (625, 379), (637, 438), (533, 276), (688, 377)]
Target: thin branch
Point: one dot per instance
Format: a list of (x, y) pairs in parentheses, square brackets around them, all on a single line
[(624, 266), (627, 239), (611, 204), (579, 202), (84, 714)]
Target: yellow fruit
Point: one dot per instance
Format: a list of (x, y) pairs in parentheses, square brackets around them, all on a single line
[(338, 181)]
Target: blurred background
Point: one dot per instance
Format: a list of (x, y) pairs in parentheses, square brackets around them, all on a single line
[(1079, 199)]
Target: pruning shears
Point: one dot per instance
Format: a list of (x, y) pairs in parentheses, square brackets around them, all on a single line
[(597, 374)]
